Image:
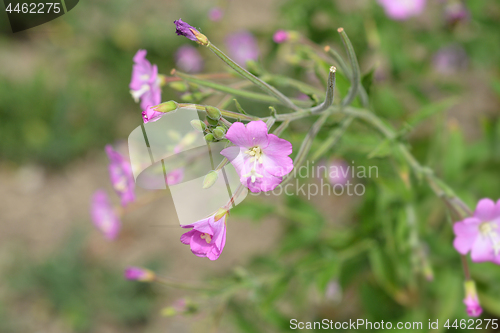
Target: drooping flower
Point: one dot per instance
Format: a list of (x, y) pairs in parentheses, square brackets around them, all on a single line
[(145, 83), (261, 159), (480, 234), (103, 215), (471, 301), (450, 59), (120, 172), (208, 236), (242, 47), (280, 36), (188, 59), (402, 9), (139, 274), (215, 14)]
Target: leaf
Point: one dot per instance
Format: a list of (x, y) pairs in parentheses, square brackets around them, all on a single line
[(238, 107), (430, 110)]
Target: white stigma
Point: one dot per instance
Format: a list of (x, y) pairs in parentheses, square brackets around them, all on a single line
[(136, 94), (489, 230), (256, 155)]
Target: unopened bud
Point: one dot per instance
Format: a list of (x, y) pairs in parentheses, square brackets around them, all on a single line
[(201, 38), (209, 137), (218, 133), (212, 122), (222, 128), (167, 107), (210, 179), (139, 274), (198, 125), (213, 112), (179, 86)]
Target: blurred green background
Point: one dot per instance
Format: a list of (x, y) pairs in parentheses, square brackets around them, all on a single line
[(64, 95)]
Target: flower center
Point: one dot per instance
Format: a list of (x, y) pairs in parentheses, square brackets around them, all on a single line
[(489, 230), (206, 237), (256, 155), (136, 94)]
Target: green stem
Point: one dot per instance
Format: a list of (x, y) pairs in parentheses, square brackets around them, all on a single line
[(356, 78), (333, 138), (225, 113), (255, 80), (233, 91), (330, 94)]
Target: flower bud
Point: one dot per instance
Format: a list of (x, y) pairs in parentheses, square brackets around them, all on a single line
[(213, 112), (210, 179), (218, 133), (222, 128), (179, 86), (166, 107), (471, 300), (209, 137), (212, 122), (139, 274), (198, 125)]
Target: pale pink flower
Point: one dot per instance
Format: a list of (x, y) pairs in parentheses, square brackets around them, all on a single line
[(145, 83), (402, 9), (208, 236), (215, 14), (242, 46), (139, 274), (120, 173), (480, 234), (103, 215), (261, 159), (188, 59), (337, 171)]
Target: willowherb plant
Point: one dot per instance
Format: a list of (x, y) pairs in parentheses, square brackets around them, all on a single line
[(261, 157)]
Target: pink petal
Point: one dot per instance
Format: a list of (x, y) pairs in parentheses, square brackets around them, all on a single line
[(257, 133), (482, 250), (237, 134), (485, 209), (186, 237)]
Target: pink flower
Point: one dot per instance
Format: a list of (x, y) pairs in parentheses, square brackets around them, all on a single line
[(208, 236), (479, 234), (149, 114), (103, 215), (471, 300), (145, 83), (402, 9), (120, 172), (188, 59), (261, 159), (139, 274), (450, 59), (242, 47), (175, 176), (280, 36), (215, 14)]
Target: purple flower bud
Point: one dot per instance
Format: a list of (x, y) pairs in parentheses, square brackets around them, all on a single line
[(103, 215), (456, 12), (242, 47), (151, 115), (139, 274), (184, 29), (280, 36), (215, 14), (188, 59)]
